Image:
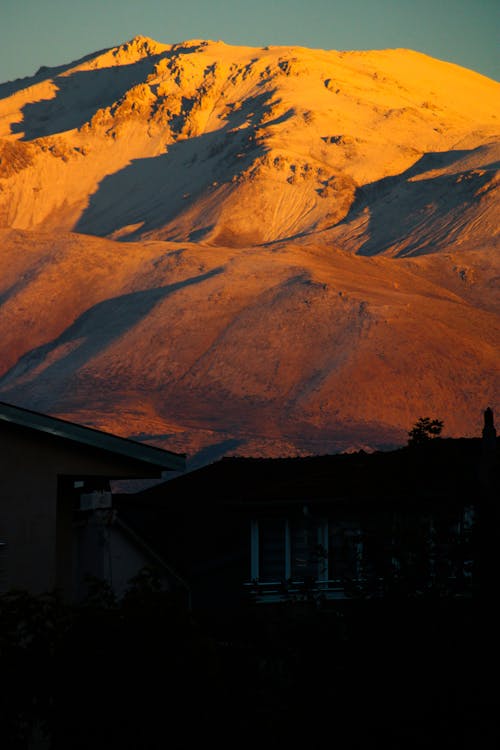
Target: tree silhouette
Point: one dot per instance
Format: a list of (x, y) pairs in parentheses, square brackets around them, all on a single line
[(424, 429)]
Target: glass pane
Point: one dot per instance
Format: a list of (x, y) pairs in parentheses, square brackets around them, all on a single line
[(345, 550), (304, 541), (272, 549)]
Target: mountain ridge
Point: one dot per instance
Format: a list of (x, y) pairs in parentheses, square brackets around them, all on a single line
[(150, 111)]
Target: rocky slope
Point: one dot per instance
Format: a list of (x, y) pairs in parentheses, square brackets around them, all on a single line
[(268, 251)]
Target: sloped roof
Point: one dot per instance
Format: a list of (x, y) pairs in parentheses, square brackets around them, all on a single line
[(155, 457), (446, 468)]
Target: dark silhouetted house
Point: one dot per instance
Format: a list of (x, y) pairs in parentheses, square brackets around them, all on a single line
[(57, 522), (322, 528)]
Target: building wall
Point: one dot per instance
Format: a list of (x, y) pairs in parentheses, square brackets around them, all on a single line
[(28, 492), (37, 471), (103, 550)]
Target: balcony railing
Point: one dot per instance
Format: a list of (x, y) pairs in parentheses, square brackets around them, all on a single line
[(348, 588), (315, 590)]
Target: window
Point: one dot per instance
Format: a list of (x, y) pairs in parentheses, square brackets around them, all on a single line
[(272, 543), (283, 549)]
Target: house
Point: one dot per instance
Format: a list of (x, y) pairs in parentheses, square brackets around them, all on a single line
[(57, 523), (324, 528)]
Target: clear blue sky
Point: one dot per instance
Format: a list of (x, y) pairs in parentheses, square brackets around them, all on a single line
[(54, 32)]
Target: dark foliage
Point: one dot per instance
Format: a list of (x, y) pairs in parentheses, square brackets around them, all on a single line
[(425, 429), (103, 673), (142, 673)]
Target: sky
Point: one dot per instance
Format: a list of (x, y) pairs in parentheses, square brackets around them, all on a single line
[(55, 32)]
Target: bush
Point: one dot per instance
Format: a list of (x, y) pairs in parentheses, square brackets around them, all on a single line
[(102, 673), (424, 429)]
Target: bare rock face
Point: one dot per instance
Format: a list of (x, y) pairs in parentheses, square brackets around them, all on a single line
[(262, 251)]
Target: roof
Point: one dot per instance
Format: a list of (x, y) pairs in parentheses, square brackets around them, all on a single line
[(78, 434), (447, 469)]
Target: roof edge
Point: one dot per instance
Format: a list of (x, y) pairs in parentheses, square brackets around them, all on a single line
[(77, 433)]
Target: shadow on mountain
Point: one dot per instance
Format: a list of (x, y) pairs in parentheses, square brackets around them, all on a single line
[(151, 192), (27, 278), (44, 73), (79, 96), (12, 290), (214, 452), (81, 93), (90, 334), (413, 205)]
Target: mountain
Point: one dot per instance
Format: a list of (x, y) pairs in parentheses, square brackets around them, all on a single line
[(264, 251)]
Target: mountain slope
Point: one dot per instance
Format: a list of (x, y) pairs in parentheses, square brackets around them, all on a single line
[(261, 251), (265, 350)]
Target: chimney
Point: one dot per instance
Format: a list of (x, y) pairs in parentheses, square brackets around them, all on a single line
[(489, 454), (489, 432), (488, 519)]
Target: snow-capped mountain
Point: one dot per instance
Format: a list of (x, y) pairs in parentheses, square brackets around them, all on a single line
[(252, 250)]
